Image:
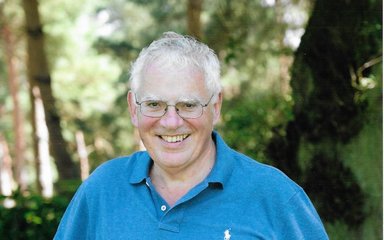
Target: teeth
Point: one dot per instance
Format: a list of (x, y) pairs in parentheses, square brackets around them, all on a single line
[(173, 139)]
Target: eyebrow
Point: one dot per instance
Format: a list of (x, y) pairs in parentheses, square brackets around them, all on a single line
[(151, 97), (180, 99), (188, 99)]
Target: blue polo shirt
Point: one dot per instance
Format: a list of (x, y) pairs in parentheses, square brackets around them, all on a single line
[(240, 199)]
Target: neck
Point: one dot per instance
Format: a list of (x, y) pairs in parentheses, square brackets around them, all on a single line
[(172, 184)]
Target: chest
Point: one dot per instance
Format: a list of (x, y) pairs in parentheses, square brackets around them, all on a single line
[(204, 213)]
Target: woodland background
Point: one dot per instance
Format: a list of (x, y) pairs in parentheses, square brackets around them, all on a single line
[(302, 84)]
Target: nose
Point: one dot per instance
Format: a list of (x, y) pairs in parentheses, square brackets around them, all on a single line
[(171, 118)]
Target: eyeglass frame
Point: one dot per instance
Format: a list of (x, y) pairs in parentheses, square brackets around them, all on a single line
[(177, 110)]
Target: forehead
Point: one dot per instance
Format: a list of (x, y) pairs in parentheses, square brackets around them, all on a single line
[(173, 82)]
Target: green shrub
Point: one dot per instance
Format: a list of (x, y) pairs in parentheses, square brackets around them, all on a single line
[(30, 216)]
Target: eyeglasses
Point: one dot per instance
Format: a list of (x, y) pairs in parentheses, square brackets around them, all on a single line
[(186, 110)]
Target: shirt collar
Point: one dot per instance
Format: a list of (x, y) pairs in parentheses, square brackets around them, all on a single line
[(140, 166), (219, 175), (224, 164)]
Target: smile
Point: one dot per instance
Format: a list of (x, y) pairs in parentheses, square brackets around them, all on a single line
[(173, 139)]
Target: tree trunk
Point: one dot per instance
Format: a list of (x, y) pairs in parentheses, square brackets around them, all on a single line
[(39, 76), (285, 61), (83, 155), (193, 12), (18, 123), (44, 174), (6, 176), (330, 112)]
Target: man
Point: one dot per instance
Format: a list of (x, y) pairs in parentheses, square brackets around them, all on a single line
[(188, 184)]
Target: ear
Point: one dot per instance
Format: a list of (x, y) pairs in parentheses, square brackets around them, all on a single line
[(217, 108), (132, 108)]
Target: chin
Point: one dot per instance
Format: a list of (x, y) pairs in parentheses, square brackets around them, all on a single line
[(171, 160)]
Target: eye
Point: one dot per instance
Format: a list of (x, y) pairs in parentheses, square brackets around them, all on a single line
[(153, 104), (187, 106)]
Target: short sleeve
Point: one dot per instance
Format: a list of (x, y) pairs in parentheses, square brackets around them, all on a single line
[(299, 219), (75, 222)]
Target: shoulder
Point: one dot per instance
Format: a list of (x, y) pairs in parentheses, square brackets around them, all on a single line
[(119, 163), (263, 178), (250, 176), (111, 166), (115, 170)]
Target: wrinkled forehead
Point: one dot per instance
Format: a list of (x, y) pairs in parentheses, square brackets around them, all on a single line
[(167, 80), (180, 72)]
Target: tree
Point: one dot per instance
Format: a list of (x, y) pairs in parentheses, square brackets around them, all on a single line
[(250, 38), (335, 88), (39, 77), (10, 43), (6, 174), (194, 10)]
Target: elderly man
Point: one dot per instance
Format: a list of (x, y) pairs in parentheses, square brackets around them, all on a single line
[(188, 184)]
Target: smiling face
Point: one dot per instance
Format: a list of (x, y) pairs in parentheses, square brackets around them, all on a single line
[(173, 142)]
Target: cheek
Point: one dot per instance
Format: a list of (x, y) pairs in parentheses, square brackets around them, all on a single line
[(145, 123), (209, 116), (203, 124)]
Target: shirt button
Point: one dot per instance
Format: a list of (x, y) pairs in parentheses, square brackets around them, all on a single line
[(163, 208)]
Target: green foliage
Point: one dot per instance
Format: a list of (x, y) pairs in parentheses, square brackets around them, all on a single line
[(330, 146), (364, 156), (249, 118), (341, 207), (32, 217)]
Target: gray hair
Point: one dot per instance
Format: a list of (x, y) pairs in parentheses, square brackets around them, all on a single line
[(176, 50)]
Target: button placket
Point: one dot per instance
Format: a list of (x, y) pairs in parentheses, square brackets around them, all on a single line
[(160, 205), (172, 218)]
